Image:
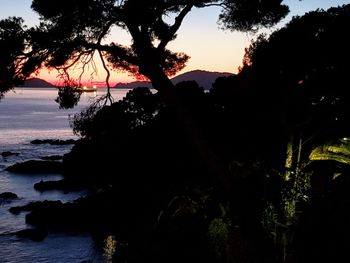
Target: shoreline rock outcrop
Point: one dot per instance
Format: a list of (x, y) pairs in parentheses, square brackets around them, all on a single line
[(36, 167)]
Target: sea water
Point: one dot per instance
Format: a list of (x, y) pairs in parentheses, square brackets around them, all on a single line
[(27, 114)]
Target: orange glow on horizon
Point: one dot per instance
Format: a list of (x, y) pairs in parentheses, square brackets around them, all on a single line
[(53, 77), (116, 77), (92, 73)]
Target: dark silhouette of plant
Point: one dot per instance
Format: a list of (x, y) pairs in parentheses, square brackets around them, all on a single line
[(300, 62), (152, 147), (304, 80), (68, 97), (12, 47), (71, 32), (136, 109), (299, 74)]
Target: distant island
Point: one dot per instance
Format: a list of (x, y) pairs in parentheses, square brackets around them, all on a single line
[(36, 83), (204, 79)]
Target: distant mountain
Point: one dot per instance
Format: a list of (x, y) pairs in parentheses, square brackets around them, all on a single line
[(204, 79), (36, 83), (134, 84)]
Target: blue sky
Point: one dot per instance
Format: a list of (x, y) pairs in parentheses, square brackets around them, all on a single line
[(200, 37)]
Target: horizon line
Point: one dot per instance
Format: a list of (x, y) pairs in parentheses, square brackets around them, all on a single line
[(102, 83)]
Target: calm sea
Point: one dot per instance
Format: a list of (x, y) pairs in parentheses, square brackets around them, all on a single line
[(27, 114)]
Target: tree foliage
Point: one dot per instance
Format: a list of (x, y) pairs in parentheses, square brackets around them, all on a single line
[(12, 46), (72, 31), (304, 67), (136, 109), (301, 72), (311, 52), (68, 97)]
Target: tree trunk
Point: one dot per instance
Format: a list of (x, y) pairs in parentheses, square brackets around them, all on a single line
[(165, 87)]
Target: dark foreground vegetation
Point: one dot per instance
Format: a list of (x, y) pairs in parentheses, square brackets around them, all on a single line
[(255, 170), (269, 182)]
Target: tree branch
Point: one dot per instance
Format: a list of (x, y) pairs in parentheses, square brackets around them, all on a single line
[(173, 29), (105, 31), (109, 96), (123, 53), (85, 58)]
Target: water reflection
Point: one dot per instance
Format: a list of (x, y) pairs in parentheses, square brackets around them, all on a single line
[(27, 114)]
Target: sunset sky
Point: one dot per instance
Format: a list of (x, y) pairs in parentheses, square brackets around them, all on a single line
[(200, 37)]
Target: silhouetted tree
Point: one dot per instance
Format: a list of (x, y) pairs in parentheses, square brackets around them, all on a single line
[(301, 74), (68, 97), (170, 153), (305, 63), (12, 46), (72, 31)]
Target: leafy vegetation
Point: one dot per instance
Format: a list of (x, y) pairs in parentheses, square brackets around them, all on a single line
[(72, 32), (251, 171)]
